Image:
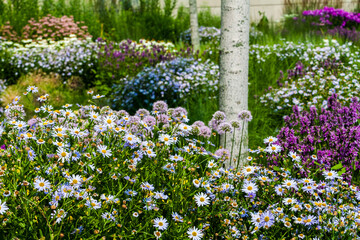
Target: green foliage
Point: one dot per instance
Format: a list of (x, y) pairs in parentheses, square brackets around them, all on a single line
[(19, 12), (113, 21), (73, 92), (207, 19)]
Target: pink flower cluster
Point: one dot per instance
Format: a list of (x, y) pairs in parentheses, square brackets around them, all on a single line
[(48, 27), (9, 33)]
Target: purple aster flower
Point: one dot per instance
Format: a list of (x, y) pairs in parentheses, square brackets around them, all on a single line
[(267, 219)]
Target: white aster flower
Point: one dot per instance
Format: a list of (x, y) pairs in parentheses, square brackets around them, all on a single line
[(194, 233), (161, 223), (202, 199)]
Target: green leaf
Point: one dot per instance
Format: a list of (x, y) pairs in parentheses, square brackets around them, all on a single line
[(337, 166), (343, 170), (317, 163), (277, 168)]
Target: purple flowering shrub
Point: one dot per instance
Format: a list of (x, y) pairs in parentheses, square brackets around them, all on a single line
[(127, 58), (348, 34), (323, 139), (331, 17), (327, 21)]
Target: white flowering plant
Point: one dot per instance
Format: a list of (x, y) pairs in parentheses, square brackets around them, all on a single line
[(90, 172), (324, 70), (68, 57)]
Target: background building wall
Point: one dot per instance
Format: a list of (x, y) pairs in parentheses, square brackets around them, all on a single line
[(273, 9)]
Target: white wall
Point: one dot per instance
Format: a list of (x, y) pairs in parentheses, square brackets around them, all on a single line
[(273, 8)]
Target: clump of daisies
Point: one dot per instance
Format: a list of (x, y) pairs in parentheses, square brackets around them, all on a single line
[(89, 171)]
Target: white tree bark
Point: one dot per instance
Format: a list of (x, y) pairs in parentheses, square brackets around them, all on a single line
[(194, 25), (234, 62)]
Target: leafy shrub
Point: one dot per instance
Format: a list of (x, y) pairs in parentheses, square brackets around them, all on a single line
[(45, 84), (63, 177), (48, 27), (207, 19), (175, 82)]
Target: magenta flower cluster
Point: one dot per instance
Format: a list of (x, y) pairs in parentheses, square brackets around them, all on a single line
[(324, 139), (329, 16)]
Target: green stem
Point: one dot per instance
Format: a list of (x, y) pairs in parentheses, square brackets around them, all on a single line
[(232, 145), (241, 138)]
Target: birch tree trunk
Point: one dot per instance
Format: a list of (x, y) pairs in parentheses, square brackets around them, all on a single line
[(234, 62), (195, 40)]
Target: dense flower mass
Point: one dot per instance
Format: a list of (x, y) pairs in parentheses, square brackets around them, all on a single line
[(173, 81), (69, 57), (48, 27), (323, 139), (129, 57), (323, 71), (104, 167), (141, 169), (332, 17)]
